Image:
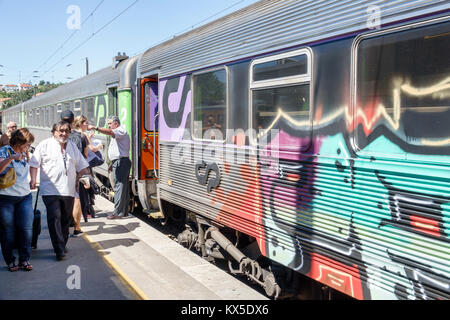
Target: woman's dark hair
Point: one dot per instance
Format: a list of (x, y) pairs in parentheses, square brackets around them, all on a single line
[(20, 137)]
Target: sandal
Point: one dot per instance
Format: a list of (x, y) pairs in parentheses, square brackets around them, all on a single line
[(26, 266), (12, 267)]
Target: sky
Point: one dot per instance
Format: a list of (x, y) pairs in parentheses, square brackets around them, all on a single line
[(50, 39)]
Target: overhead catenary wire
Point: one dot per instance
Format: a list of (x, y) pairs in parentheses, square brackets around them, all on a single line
[(91, 36), (71, 36), (191, 27)]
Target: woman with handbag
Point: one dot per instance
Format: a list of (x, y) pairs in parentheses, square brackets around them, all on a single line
[(16, 208), (93, 157)]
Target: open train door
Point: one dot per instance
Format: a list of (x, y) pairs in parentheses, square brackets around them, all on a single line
[(148, 162)]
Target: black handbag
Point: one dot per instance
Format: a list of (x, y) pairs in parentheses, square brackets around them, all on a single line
[(97, 160)]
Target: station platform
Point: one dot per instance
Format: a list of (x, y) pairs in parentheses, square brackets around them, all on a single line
[(121, 259), (156, 266)]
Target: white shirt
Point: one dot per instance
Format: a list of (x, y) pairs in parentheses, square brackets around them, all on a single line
[(120, 144), (55, 177)]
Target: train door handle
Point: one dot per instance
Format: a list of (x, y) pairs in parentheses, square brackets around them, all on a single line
[(145, 144)]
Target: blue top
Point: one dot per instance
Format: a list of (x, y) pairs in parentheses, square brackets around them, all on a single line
[(22, 186)]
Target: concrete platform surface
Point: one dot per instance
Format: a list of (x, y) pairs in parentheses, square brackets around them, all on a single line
[(157, 267)]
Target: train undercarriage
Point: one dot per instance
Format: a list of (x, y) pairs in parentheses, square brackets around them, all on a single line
[(241, 256), (229, 249)]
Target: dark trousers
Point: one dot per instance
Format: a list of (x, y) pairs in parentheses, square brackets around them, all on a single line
[(121, 172), (59, 217), (16, 216)]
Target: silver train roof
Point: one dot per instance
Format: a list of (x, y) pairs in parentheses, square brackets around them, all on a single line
[(269, 25)]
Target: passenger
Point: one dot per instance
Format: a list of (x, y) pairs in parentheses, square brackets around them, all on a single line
[(211, 129), (118, 152), (61, 165), (81, 124), (16, 208), (81, 142), (4, 139)]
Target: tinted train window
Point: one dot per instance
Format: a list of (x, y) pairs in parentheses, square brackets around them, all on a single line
[(89, 110), (77, 109), (37, 117), (66, 106), (403, 90), (52, 116), (47, 117), (292, 100), (42, 117), (280, 68), (151, 106), (112, 101), (210, 105), (280, 97)]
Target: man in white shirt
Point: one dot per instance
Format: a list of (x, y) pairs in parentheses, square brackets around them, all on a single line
[(118, 153), (61, 165)]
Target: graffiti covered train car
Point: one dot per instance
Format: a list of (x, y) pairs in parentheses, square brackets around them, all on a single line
[(306, 142), (318, 134)]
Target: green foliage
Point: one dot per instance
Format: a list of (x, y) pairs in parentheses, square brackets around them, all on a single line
[(21, 96)]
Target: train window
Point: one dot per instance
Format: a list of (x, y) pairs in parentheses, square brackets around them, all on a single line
[(89, 110), (210, 105), (112, 101), (280, 96), (293, 101), (47, 116), (66, 106), (36, 112), (402, 90), (53, 117), (280, 68), (42, 117), (151, 105), (50, 116), (77, 108)]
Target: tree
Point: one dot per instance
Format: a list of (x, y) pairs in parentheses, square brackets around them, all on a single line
[(21, 96)]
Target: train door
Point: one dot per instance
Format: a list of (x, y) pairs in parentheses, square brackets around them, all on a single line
[(147, 172), (149, 129)]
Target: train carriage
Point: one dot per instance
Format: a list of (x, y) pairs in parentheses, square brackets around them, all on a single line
[(109, 91), (307, 142), (319, 130)]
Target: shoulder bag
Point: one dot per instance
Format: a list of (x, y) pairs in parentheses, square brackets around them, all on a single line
[(9, 178)]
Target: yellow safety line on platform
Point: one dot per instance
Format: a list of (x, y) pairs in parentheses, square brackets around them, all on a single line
[(122, 276)]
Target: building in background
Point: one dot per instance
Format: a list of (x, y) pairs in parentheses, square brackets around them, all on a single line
[(11, 88), (25, 86)]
